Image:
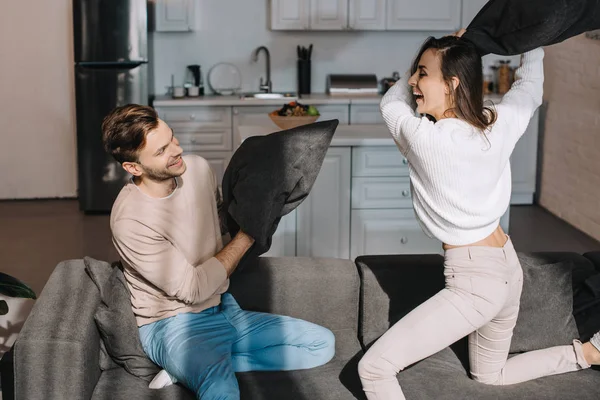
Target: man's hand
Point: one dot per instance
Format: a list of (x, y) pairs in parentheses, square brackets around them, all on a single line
[(231, 254)]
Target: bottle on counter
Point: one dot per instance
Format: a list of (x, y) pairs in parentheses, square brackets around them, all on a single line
[(505, 75)]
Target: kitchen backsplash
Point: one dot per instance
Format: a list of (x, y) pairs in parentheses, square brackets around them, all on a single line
[(229, 30)]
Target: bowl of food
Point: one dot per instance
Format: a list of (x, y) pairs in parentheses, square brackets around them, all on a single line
[(294, 114)]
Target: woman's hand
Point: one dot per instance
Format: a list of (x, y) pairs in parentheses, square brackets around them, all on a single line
[(459, 33)]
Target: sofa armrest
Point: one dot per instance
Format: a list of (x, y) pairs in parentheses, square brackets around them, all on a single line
[(57, 352)]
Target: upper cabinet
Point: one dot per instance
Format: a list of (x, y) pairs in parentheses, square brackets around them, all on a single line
[(175, 15), (328, 15), (366, 15), (290, 14), (422, 15)]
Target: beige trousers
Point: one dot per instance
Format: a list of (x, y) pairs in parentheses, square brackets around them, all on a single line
[(481, 300)]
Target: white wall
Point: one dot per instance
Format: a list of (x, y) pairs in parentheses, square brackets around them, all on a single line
[(37, 112), (229, 30)]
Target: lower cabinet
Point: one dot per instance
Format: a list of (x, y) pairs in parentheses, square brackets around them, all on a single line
[(320, 226), (323, 218), (389, 231)]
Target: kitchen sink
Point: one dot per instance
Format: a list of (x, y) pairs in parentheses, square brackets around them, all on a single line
[(269, 96)]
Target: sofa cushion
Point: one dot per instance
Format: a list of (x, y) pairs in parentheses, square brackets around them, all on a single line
[(451, 382), (546, 311), (594, 257), (586, 301), (269, 176), (325, 382), (318, 383), (393, 285), (117, 384), (117, 325), (324, 291)]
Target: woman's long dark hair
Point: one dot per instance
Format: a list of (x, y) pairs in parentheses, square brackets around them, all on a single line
[(459, 58)]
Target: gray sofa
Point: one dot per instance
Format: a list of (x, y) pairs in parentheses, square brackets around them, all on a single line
[(57, 354)]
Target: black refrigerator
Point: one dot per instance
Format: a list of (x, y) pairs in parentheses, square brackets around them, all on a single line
[(111, 69)]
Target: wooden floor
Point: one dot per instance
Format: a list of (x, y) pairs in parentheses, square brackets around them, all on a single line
[(37, 235)]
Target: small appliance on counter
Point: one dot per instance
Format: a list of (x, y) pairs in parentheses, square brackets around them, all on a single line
[(387, 83), (352, 84), (194, 84)]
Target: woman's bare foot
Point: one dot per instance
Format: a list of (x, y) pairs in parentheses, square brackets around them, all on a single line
[(591, 354)]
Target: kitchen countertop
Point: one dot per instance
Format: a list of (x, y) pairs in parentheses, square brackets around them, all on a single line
[(345, 135), (315, 98), (216, 100)]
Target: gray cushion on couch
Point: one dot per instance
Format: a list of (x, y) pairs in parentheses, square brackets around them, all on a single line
[(298, 287), (546, 311), (288, 286), (394, 285), (451, 382)]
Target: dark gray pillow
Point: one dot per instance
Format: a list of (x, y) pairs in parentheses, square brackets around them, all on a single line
[(546, 313), (118, 328), (511, 27), (269, 176)]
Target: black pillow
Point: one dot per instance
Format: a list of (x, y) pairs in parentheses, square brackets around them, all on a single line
[(117, 325), (546, 312), (269, 176), (510, 27)]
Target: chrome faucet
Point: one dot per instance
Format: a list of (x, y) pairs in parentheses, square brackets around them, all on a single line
[(266, 86)]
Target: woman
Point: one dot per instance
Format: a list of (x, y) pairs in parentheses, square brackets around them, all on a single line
[(461, 184)]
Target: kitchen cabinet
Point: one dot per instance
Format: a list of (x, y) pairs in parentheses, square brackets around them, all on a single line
[(523, 164), (309, 14), (175, 15), (424, 15), (283, 242), (366, 15), (205, 131), (394, 231), (290, 14), (328, 15), (323, 218)]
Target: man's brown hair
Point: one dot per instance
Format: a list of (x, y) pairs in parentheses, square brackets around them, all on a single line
[(124, 131)]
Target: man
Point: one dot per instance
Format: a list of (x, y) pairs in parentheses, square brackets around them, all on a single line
[(166, 228)]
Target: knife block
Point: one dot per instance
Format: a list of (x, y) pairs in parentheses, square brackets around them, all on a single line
[(303, 76)]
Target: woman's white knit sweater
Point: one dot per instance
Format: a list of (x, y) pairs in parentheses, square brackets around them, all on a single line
[(460, 177)]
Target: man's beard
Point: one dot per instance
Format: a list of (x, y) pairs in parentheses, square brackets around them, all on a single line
[(159, 175)]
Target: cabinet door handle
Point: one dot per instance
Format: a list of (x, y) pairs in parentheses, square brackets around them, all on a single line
[(193, 141), (405, 193), (235, 111), (192, 116), (404, 240), (404, 161)]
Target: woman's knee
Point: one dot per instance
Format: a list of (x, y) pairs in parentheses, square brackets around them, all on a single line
[(374, 367), (488, 379)]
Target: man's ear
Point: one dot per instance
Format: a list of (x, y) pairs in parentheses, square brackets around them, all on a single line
[(133, 168)]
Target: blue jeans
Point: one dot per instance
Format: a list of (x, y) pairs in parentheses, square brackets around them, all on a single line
[(204, 350)]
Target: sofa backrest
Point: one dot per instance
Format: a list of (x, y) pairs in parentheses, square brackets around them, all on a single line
[(392, 286), (324, 291)]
